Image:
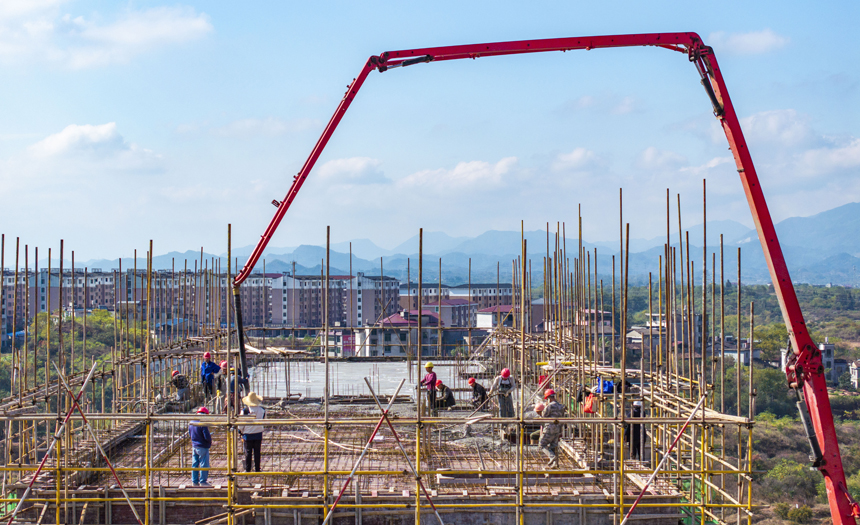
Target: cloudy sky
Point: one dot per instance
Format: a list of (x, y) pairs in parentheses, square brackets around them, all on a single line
[(123, 122)]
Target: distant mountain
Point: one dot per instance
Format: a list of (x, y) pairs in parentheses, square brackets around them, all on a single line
[(823, 248), (434, 242)]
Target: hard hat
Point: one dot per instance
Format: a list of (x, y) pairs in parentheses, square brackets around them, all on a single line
[(506, 373), (428, 365), (223, 364), (174, 373), (439, 382), (207, 355), (471, 380), (202, 410), (637, 403), (549, 392), (539, 407)]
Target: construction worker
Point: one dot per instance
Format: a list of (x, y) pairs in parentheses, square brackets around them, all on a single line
[(551, 432), (534, 437), (444, 396), (504, 385), (635, 435), (429, 381), (479, 393), (252, 435), (180, 382), (208, 369), (221, 387), (201, 441)]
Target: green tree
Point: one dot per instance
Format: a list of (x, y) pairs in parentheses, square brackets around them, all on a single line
[(845, 381)]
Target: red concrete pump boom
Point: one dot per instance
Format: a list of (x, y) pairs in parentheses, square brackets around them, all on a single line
[(805, 370)]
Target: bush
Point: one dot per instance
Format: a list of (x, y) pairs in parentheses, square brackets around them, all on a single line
[(781, 509), (790, 480), (802, 514)]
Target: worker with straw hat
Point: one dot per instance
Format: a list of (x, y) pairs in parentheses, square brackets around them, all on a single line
[(252, 435), (429, 382)]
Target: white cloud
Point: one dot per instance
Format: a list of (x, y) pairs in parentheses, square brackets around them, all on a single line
[(41, 33), (655, 159), (269, 126), (464, 174), (87, 144), (354, 170), (627, 105), (752, 43), (580, 159), (783, 127), (706, 167), (830, 159)]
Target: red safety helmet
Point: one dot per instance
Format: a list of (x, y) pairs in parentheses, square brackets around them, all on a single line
[(439, 382), (202, 410), (539, 407), (548, 392), (223, 364), (506, 373), (471, 380), (174, 373), (207, 355)]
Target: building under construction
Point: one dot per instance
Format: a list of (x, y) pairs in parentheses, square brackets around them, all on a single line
[(104, 439)]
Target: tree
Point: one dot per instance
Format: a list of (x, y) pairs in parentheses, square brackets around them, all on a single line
[(770, 339), (845, 381)]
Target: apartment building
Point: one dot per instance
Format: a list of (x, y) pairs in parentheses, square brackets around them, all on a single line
[(484, 295)]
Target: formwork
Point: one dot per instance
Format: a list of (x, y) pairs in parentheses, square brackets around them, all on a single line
[(311, 445)]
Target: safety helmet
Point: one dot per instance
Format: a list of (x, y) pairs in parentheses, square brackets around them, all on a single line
[(539, 407), (549, 392), (207, 355), (471, 381), (637, 403), (439, 382), (175, 372), (223, 364), (506, 373), (202, 410), (428, 365)]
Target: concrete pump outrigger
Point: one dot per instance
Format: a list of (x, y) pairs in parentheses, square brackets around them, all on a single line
[(805, 371)]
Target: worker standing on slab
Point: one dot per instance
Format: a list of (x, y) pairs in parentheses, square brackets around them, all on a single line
[(180, 382), (479, 393), (221, 388), (201, 441), (444, 396), (504, 385), (429, 381), (551, 432), (636, 432), (252, 435), (208, 369)]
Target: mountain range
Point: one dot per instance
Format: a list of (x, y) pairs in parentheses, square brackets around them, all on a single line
[(820, 249)]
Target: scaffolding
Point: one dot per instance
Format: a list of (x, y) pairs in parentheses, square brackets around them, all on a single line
[(312, 444)]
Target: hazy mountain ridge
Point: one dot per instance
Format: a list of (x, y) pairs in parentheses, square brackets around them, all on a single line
[(819, 249)]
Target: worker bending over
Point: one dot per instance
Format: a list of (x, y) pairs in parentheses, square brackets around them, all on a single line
[(550, 432), (479, 393), (180, 382), (444, 397), (504, 385)]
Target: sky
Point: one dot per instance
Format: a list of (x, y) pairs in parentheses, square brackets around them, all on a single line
[(122, 122)]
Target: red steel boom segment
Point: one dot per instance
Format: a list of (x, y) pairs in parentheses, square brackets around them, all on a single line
[(805, 369)]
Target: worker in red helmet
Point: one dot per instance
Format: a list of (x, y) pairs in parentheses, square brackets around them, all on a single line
[(479, 393), (201, 441), (208, 369), (551, 432), (180, 382), (444, 396), (504, 386)]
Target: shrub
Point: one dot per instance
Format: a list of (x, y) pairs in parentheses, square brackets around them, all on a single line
[(781, 509), (802, 514)]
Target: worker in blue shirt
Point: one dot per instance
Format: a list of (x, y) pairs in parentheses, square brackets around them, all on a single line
[(201, 440), (208, 369)]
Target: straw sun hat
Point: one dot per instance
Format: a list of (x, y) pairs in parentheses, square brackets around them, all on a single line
[(252, 400)]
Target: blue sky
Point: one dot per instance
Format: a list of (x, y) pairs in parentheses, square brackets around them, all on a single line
[(123, 122)]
